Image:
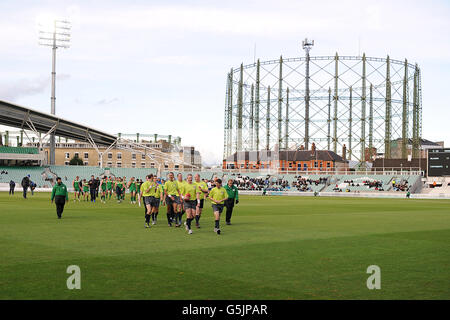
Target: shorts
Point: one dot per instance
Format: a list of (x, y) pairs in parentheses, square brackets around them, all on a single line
[(169, 201), (148, 200), (132, 189), (156, 202), (118, 191), (177, 200), (217, 207), (190, 204), (201, 203)]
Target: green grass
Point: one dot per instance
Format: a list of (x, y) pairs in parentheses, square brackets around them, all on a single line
[(277, 248)]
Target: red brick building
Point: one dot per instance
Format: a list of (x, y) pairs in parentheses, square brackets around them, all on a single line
[(300, 160)]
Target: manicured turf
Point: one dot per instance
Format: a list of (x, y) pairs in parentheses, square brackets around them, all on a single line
[(277, 248)]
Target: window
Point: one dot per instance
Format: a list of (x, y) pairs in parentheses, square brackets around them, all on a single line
[(290, 164), (142, 164), (315, 164), (86, 163), (328, 164), (143, 156), (109, 164), (119, 155), (133, 156), (66, 163), (67, 155), (99, 164), (86, 155), (77, 155), (152, 165), (119, 164), (109, 156), (177, 167), (133, 164), (166, 166)]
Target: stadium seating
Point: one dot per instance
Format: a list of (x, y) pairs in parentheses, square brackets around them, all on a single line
[(17, 173), (68, 174), (20, 150)]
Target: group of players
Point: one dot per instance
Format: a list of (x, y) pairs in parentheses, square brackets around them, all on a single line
[(180, 196), (106, 187)]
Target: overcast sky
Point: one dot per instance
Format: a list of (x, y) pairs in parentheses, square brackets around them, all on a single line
[(161, 66)]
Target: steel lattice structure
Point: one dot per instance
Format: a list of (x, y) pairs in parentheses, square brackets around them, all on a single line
[(359, 101)]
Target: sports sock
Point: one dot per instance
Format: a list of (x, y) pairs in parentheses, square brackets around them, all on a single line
[(147, 218), (168, 218), (153, 216), (156, 215), (188, 223), (217, 224), (197, 218)]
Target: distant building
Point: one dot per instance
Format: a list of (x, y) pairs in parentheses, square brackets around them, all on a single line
[(286, 160), (396, 147)]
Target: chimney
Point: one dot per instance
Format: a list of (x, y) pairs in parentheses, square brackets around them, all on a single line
[(344, 152), (313, 148)]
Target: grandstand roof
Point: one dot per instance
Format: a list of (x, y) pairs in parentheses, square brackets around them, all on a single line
[(16, 116)]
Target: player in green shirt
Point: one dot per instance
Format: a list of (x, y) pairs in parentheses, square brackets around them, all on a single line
[(85, 190), (60, 195), (124, 183), (171, 193), (203, 188), (132, 188), (138, 190), (76, 189), (109, 187), (191, 199), (103, 188), (217, 196), (120, 188)]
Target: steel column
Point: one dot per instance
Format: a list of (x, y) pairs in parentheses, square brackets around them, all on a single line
[(280, 103), (363, 111), (405, 112), (387, 131), (268, 120)]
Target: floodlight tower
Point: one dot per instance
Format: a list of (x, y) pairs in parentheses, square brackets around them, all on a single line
[(307, 46), (56, 34)]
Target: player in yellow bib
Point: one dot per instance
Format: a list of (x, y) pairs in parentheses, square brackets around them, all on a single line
[(191, 199), (180, 204), (217, 195), (172, 193), (148, 189), (203, 189)]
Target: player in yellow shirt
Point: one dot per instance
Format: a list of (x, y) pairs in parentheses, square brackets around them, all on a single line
[(217, 195), (148, 189), (191, 201), (180, 204), (203, 188), (171, 193), (159, 193)]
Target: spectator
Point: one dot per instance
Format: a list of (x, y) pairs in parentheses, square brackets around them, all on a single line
[(12, 186), (25, 185)]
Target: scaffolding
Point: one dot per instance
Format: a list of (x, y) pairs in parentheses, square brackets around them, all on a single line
[(363, 102)]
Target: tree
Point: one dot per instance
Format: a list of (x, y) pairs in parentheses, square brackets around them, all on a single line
[(75, 161)]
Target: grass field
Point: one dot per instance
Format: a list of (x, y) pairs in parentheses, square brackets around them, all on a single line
[(277, 248)]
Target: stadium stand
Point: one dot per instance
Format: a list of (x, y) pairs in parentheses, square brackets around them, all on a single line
[(44, 177), (19, 150)]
